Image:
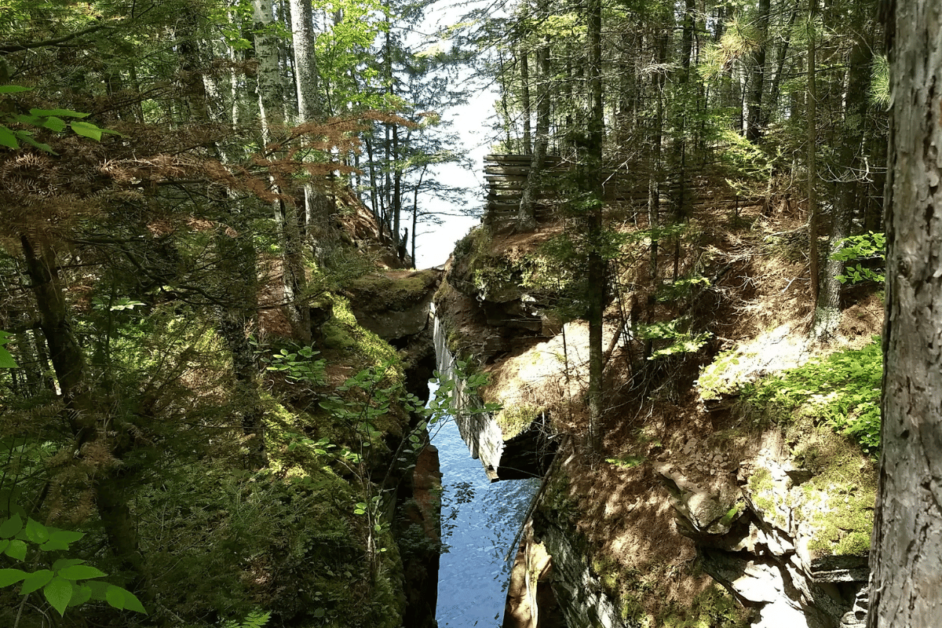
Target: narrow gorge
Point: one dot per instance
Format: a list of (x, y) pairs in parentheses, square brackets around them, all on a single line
[(703, 510)]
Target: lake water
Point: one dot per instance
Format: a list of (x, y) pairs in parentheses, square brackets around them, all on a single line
[(479, 523)]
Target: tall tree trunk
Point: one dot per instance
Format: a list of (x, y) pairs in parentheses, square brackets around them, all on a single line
[(526, 213), (397, 189), (596, 264), (316, 220), (757, 81), (812, 141), (523, 55), (504, 90), (236, 315), (272, 95), (679, 157), (238, 305), (828, 310), (906, 589), (776, 88), (81, 411)]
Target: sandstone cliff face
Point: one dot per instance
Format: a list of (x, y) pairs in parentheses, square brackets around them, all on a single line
[(703, 515)]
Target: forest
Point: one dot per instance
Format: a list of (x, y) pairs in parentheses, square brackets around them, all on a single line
[(213, 394)]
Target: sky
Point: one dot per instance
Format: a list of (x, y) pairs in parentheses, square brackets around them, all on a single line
[(471, 121)]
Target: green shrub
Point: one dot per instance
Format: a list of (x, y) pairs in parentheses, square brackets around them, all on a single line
[(841, 390)]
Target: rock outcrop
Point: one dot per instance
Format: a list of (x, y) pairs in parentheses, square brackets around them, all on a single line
[(525, 451), (777, 514), (754, 539)]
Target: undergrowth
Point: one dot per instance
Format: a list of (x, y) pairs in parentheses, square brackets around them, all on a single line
[(841, 390)]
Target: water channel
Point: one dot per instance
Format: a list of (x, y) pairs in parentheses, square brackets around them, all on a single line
[(479, 522)]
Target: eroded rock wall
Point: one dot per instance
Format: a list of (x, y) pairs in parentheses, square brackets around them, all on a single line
[(766, 512)]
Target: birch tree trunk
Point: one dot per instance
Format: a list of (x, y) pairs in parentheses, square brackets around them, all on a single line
[(906, 586), (272, 94), (316, 203)]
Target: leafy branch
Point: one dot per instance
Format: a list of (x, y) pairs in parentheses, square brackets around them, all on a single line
[(50, 119), (67, 582)]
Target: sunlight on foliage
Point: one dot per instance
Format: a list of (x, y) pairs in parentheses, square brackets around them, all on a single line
[(680, 341), (841, 391), (870, 246)]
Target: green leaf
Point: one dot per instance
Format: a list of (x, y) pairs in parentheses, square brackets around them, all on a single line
[(10, 527), (55, 124), (54, 546), (17, 550), (123, 599), (65, 536), (58, 593), (87, 129), (80, 594), (81, 572), (6, 360), (115, 597), (98, 589), (65, 113), (46, 148), (14, 89), (36, 581), (11, 576), (131, 603), (62, 563), (7, 138), (36, 532), (31, 120)]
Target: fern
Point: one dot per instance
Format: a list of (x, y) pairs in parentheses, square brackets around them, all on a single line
[(844, 386)]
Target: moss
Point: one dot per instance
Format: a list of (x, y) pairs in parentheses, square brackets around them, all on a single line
[(626, 462), (715, 380), (731, 515), (557, 502), (763, 492), (343, 332), (714, 607), (516, 419), (840, 495), (381, 292)]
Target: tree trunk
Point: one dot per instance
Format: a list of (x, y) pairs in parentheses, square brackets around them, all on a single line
[(526, 214), (757, 81), (525, 99), (812, 141), (236, 316), (828, 310), (596, 265), (272, 96), (81, 410), (316, 220), (775, 90), (238, 305), (906, 589)]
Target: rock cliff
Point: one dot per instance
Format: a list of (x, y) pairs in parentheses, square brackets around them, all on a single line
[(711, 505)]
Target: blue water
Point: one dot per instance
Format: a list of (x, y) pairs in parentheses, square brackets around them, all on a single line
[(479, 523)]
